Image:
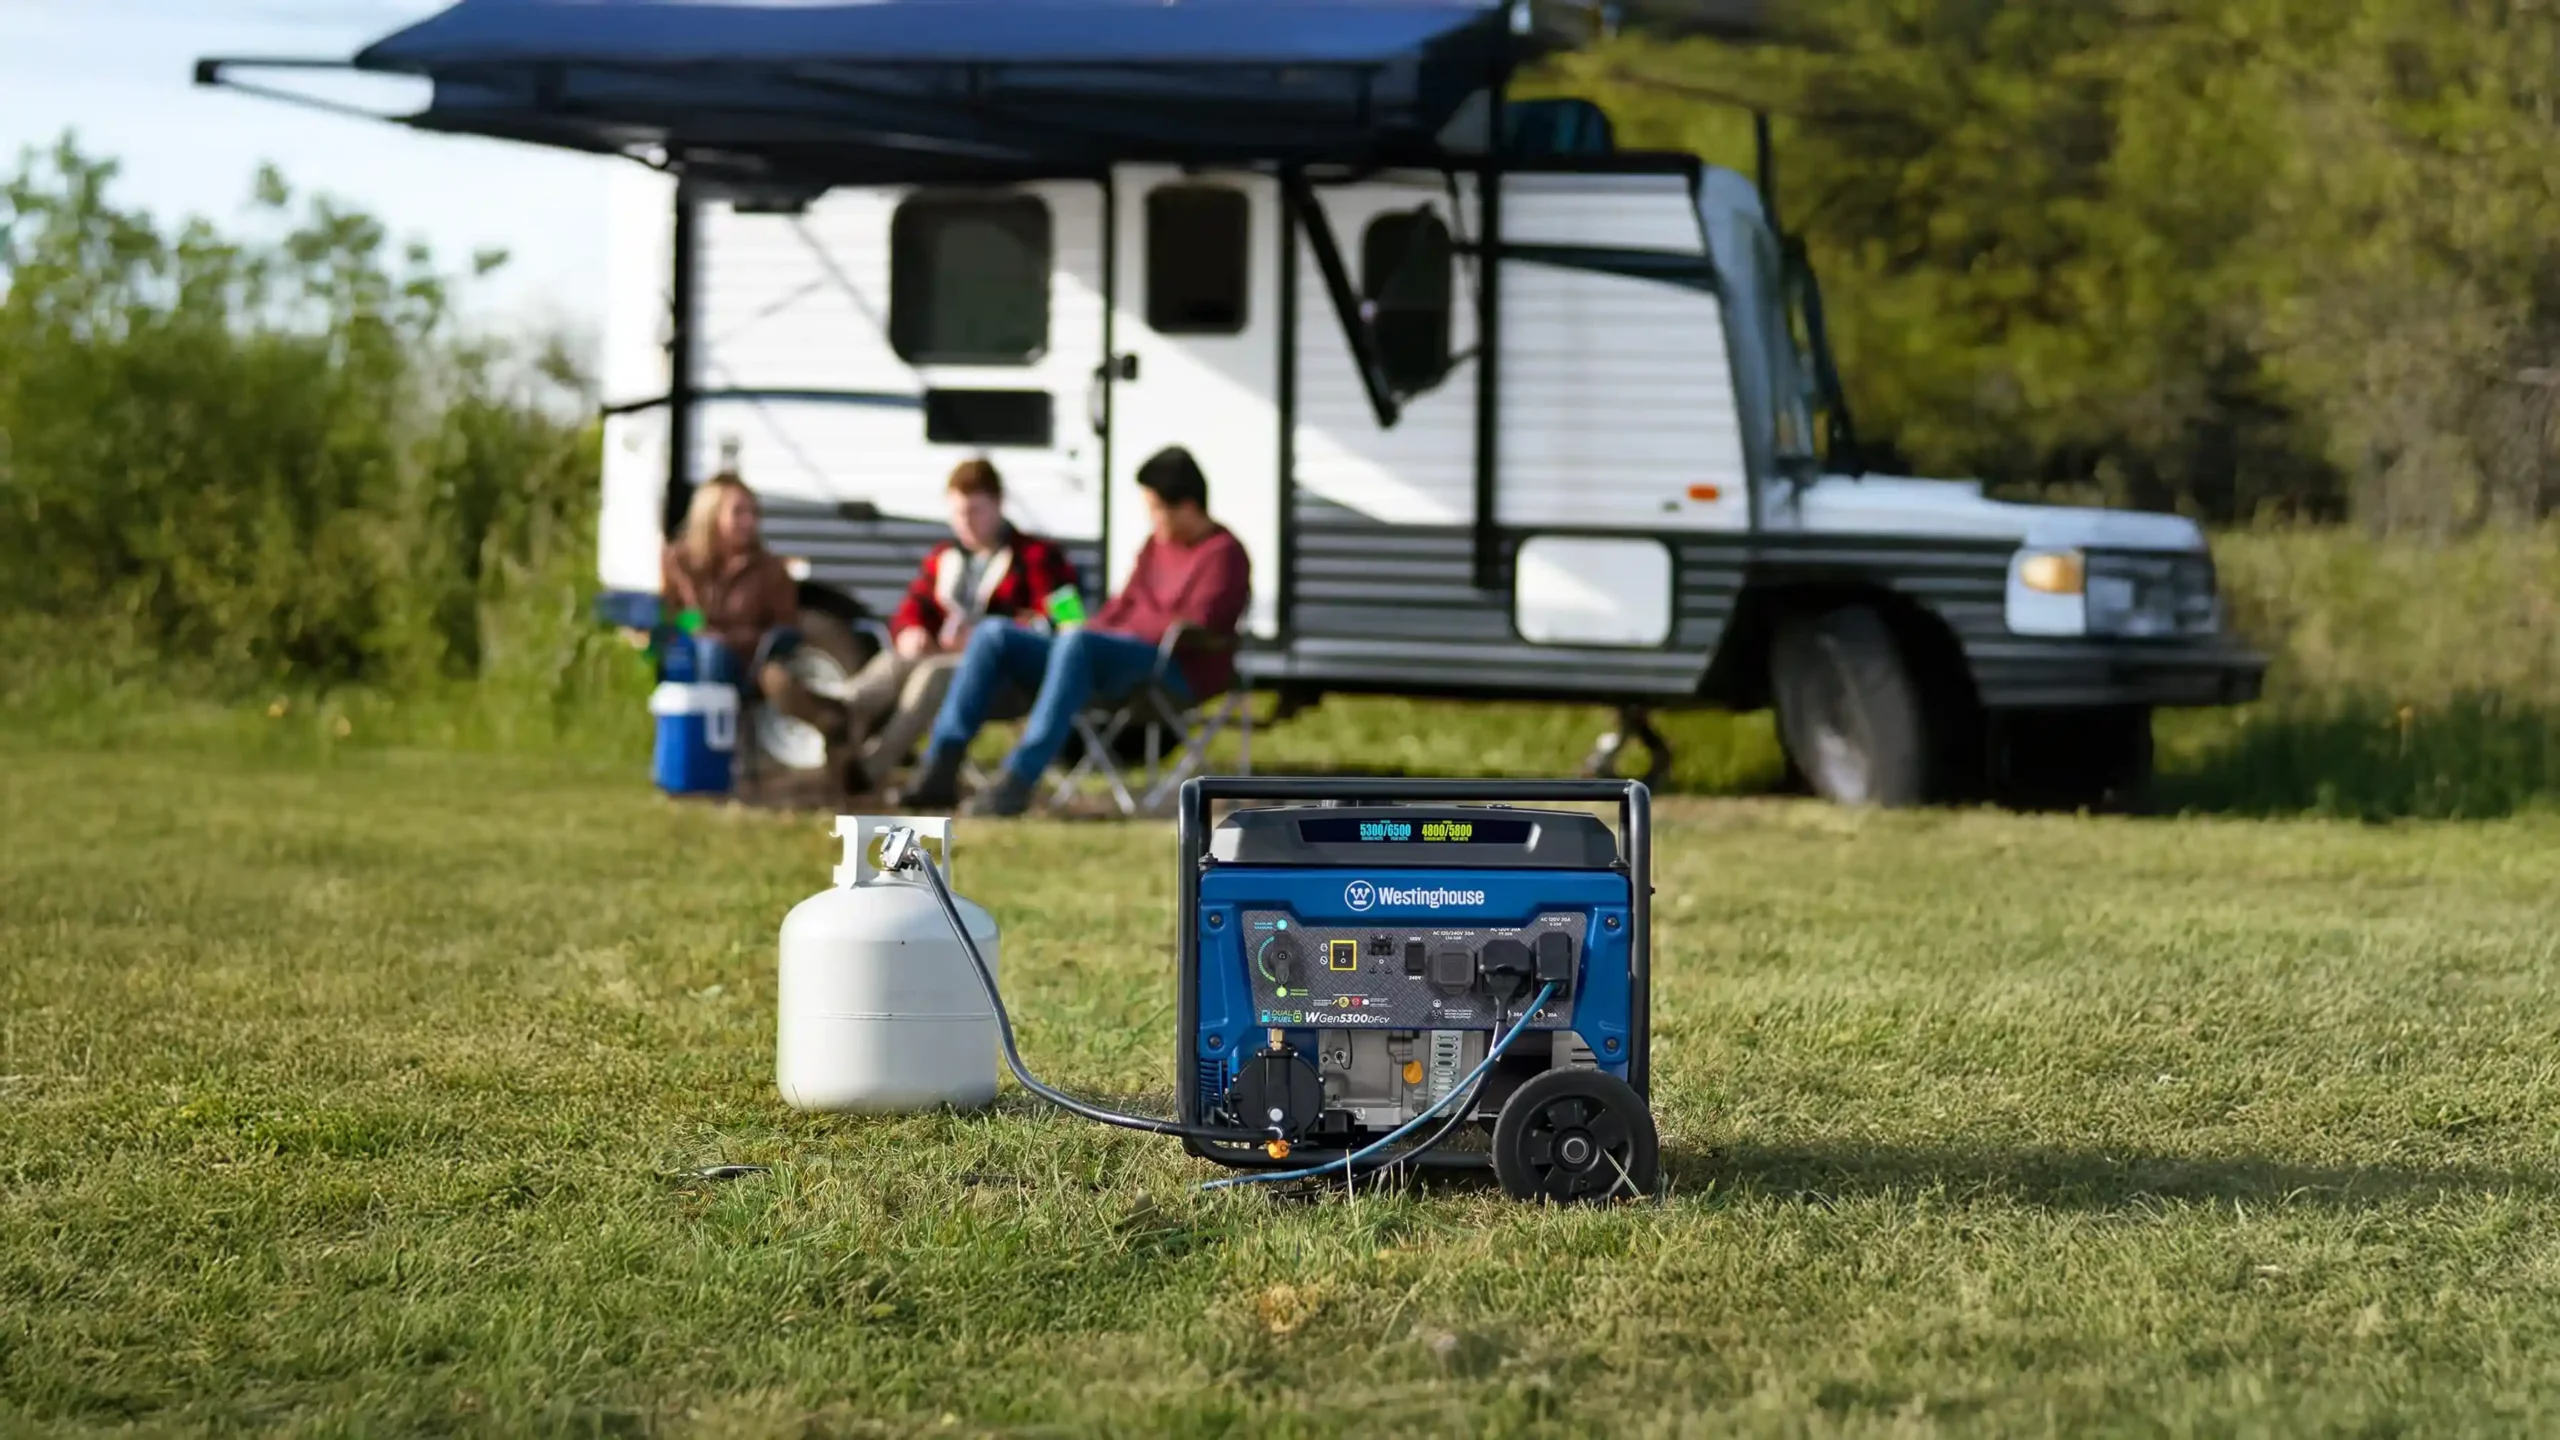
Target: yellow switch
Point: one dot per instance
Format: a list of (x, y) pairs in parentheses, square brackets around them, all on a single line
[(1413, 1072)]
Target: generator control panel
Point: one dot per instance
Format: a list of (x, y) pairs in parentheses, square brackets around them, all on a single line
[(1404, 977)]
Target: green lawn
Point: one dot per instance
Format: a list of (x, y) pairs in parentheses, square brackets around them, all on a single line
[(354, 1098)]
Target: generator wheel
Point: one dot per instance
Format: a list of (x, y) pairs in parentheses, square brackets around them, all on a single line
[(1574, 1135)]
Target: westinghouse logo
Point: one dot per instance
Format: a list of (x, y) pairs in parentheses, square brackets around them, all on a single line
[(1361, 895)]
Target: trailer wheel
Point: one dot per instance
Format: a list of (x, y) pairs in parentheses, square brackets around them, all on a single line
[(1569, 1135), (1849, 712), (831, 652)]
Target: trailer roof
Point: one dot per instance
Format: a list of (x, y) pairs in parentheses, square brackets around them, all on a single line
[(930, 89)]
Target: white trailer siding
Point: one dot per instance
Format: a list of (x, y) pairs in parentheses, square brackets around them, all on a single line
[(638, 323), (801, 303), (1617, 401), (1614, 399), (1423, 470)]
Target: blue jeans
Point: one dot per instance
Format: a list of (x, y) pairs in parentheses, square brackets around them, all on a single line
[(1070, 671)]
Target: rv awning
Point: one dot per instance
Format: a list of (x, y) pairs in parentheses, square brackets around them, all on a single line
[(924, 88)]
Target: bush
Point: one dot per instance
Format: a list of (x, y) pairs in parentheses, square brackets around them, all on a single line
[(230, 465), (2409, 678)]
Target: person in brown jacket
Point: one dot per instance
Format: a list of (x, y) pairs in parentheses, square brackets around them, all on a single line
[(718, 565)]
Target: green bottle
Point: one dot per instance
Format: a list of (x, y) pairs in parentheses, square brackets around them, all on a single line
[(690, 622), (1065, 607)]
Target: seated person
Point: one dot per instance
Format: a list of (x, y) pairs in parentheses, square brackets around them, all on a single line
[(987, 570), (718, 567), (1191, 571)]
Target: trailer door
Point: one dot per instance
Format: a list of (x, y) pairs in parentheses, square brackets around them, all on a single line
[(1196, 335)]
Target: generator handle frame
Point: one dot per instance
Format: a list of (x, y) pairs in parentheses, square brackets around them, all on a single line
[(1635, 856)]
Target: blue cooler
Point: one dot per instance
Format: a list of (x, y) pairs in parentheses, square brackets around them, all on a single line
[(696, 705), (697, 737)]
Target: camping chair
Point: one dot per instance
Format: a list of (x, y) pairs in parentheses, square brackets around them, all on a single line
[(761, 725), (1195, 723)]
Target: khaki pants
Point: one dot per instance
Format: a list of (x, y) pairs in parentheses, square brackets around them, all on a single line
[(909, 695), (895, 700)]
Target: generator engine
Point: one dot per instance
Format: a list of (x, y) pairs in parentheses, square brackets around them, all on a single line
[(1352, 955)]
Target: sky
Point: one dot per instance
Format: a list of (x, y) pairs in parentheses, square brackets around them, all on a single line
[(118, 73)]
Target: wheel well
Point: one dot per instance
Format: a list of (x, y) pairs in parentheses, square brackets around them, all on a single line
[(827, 600), (847, 611), (1739, 679)]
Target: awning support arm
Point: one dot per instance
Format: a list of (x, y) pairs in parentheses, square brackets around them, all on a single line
[(1310, 214), (681, 361), (214, 73), (883, 399)]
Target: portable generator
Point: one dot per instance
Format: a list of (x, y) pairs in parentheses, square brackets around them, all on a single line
[(1351, 959), (1369, 968)]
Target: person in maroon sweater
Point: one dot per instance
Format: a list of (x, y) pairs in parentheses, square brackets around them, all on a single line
[(1191, 571)]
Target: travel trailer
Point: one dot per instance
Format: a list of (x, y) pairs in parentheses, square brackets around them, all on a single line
[(1498, 408)]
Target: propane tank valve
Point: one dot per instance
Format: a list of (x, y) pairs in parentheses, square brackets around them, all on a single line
[(898, 849)]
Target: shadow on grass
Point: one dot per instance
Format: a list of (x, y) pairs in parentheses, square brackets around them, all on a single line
[(1826, 1174), (2073, 1180), (2476, 757)]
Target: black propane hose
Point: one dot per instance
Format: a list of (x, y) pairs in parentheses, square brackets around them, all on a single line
[(902, 853)]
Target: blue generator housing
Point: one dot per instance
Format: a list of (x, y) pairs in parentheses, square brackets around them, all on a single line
[(1351, 953)]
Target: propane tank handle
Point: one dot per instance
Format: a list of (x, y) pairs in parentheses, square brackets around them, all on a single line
[(863, 835)]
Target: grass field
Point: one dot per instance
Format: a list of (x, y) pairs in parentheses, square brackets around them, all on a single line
[(355, 1098)]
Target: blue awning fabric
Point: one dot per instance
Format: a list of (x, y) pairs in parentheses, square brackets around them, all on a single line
[(924, 88)]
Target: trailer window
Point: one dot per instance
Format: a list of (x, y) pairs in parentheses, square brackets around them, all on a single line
[(1199, 250), (969, 280), (1406, 282), (1790, 372)]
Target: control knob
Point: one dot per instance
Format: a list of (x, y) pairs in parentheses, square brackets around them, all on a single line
[(1283, 961)]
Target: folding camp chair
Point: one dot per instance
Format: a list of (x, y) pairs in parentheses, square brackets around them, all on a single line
[(1158, 708), (775, 747)]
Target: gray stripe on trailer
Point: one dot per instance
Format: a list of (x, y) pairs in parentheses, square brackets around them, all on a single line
[(874, 558)]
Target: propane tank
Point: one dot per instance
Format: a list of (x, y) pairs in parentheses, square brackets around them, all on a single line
[(881, 1009)]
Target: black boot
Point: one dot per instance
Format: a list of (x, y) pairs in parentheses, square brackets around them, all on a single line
[(1008, 796), (936, 785)]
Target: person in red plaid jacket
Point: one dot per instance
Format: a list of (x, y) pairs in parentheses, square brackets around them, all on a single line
[(987, 570)]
